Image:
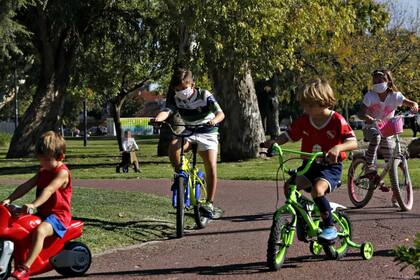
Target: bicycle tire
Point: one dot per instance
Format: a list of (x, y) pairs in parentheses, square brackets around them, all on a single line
[(282, 231), (199, 219), (359, 190), (403, 189), (180, 207), (334, 251)]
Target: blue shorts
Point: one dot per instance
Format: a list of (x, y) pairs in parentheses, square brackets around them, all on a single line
[(57, 226), (329, 173)]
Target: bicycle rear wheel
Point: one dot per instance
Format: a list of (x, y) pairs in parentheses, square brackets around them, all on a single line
[(340, 248), (180, 207), (401, 184), (358, 186)]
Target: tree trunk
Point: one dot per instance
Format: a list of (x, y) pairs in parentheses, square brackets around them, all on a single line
[(56, 54), (116, 116), (273, 115), (242, 131), (118, 101), (42, 115)]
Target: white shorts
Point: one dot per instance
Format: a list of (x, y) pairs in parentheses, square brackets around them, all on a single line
[(205, 141)]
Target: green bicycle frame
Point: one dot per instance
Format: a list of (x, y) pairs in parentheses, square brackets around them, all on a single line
[(292, 205)]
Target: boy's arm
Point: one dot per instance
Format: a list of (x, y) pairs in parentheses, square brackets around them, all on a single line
[(281, 139), (219, 116), (59, 181), (334, 153), (21, 190), (414, 107), (161, 116)]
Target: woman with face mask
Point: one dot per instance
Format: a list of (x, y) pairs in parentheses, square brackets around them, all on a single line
[(196, 107), (380, 104)]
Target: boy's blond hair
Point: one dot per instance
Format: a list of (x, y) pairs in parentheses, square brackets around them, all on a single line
[(51, 144), (319, 92)]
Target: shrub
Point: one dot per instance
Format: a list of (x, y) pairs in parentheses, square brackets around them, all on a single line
[(5, 139), (410, 256)]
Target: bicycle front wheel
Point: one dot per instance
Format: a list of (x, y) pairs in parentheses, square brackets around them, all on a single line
[(281, 237), (180, 206), (401, 184), (200, 193), (358, 186)]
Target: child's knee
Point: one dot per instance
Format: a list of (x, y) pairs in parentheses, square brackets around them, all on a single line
[(320, 188), (44, 230)]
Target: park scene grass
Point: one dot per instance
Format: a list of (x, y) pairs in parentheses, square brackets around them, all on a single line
[(99, 159), (118, 218)]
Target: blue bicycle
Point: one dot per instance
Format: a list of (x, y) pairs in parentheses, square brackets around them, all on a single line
[(189, 188)]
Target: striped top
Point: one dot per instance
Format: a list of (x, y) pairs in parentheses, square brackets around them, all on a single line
[(199, 109)]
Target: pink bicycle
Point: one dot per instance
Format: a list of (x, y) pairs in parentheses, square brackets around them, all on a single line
[(361, 187)]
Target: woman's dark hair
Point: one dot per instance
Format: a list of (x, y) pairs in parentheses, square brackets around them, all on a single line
[(387, 75), (181, 75)]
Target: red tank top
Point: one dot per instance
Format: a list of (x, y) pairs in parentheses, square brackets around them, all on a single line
[(59, 203)]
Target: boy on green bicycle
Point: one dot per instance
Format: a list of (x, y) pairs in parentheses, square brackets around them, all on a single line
[(196, 106), (321, 130)]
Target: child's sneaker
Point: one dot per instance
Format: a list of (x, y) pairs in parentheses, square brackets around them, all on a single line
[(394, 201), (384, 188), (328, 233), (21, 272), (210, 211)]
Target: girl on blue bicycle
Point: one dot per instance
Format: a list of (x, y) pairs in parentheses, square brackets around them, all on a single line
[(196, 106), (321, 130)]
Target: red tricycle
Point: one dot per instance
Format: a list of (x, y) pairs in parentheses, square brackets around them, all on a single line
[(65, 256)]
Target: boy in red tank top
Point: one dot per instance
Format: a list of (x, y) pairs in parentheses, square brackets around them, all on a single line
[(321, 130), (53, 196)]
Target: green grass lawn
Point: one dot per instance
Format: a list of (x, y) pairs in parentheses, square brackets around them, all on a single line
[(99, 158), (115, 219)]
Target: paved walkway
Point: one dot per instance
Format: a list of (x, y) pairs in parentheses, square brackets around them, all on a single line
[(235, 246)]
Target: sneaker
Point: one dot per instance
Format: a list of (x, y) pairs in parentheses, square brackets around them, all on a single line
[(328, 233), (394, 201), (210, 211), (384, 188), (21, 273)]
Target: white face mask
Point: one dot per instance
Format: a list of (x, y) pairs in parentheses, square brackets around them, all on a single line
[(379, 88), (185, 93)]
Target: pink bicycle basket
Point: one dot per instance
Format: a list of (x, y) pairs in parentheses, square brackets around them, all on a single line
[(391, 126)]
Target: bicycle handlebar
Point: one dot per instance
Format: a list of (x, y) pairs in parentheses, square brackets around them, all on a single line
[(192, 128), (17, 210), (312, 157)]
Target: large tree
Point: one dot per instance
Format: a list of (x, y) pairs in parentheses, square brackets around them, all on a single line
[(122, 57), (60, 32), (238, 38)]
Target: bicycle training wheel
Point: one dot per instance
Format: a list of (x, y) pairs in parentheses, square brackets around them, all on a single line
[(180, 207), (401, 184), (281, 237), (200, 193), (340, 247), (358, 187)]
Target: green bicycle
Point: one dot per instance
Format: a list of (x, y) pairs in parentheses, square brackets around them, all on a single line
[(300, 215), (189, 189)]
